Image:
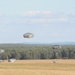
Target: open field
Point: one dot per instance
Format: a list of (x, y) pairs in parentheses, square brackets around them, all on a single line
[(38, 67)]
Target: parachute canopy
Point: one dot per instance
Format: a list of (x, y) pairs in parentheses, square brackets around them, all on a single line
[(56, 47), (1, 50), (28, 35)]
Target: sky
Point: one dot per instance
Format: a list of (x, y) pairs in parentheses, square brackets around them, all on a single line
[(49, 20)]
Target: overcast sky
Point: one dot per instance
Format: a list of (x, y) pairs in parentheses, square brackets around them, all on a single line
[(49, 20)]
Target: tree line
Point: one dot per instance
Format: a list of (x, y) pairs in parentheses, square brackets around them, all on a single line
[(36, 51)]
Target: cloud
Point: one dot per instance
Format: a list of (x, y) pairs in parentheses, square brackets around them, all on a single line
[(55, 34), (1, 14), (36, 13), (73, 14), (33, 17), (47, 20), (4, 21), (40, 20), (42, 17)]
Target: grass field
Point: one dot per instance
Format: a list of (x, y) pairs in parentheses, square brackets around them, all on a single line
[(38, 67)]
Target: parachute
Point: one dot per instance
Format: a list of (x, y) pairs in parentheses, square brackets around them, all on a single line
[(28, 35), (1, 51), (56, 47)]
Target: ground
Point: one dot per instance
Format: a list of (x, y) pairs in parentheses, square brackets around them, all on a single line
[(38, 67)]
